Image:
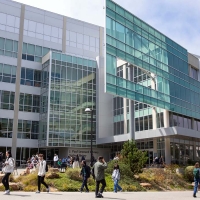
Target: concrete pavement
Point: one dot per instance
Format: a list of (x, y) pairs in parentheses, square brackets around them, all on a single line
[(107, 195)]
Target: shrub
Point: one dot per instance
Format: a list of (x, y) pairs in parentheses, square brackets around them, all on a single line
[(133, 156), (188, 173), (12, 179), (125, 170), (2, 188), (73, 174)]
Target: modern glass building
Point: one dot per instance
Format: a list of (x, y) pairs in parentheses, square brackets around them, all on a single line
[(48, 72), (141, 85), (68, 87), (157, 88)]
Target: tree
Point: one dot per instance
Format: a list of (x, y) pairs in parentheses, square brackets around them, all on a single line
[(133, 156)]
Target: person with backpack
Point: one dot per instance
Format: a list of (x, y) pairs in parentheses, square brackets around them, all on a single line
[(8, 169), (196, 178), (42, 169), (85, 173), (116, 178)]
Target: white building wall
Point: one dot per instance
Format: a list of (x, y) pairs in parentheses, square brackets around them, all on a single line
[(42, 28)]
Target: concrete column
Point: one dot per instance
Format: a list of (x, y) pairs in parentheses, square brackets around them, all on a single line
[(64, 34), (166, 118), (131, 108), (17, 84), (101, 39), (104, 105), (167, 151), (154, 118), (132, 119), (154, 112), (124, 103)]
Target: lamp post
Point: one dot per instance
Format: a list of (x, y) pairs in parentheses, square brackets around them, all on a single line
[(88, 110)]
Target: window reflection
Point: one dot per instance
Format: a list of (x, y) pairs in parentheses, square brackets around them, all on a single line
[(71, 92)]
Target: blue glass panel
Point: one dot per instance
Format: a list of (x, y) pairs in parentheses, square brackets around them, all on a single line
[(111, 88), (158, 55)]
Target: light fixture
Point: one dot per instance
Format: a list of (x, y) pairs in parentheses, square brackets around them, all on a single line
[(88, 110)]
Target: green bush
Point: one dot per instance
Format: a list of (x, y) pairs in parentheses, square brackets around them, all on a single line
[(125, 170), (133, 157), (73, 174), (188, 173)]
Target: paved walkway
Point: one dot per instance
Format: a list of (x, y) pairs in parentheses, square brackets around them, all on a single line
[(107, 195)]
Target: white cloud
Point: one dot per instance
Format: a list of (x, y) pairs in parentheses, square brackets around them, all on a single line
[(179, 20)]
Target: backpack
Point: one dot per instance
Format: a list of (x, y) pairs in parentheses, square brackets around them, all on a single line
[(88, 171), (92, 173), (196, 174), (14, 166), (46, 168)]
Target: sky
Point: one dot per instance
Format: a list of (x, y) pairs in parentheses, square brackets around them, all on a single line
[(177, 19)]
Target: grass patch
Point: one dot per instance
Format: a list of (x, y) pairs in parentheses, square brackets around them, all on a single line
[(164, 179), (160, 179)]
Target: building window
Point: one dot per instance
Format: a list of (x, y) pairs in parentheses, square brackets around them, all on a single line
[(194, 73), (30, 77), (7, 73), (26, 129), (160, 120), (69, 124), (29, 103), (8, 47), (34, 53)]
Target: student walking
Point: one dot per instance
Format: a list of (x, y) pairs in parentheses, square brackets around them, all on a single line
[(8, 169), (116, 178), (196, 174), (99, 168), (55, 161), (41, 173), (85, 173)]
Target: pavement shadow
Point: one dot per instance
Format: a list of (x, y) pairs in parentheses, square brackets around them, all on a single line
[(54, 193), (20, 195), (113, 198)]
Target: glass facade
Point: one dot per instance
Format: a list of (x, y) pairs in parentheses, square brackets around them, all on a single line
[(7, 73), (29, 77), (26, 129), (7, 100), (8, 47), (34, 53), (132, 40), (29, 103), (68, 87), (184, 149)]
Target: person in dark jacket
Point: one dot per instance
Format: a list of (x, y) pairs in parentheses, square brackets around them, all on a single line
[(85, 173)]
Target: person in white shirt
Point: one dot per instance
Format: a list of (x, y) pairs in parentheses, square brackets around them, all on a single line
[(116, 178), (8, 169), (55, 160), (41, 173)]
